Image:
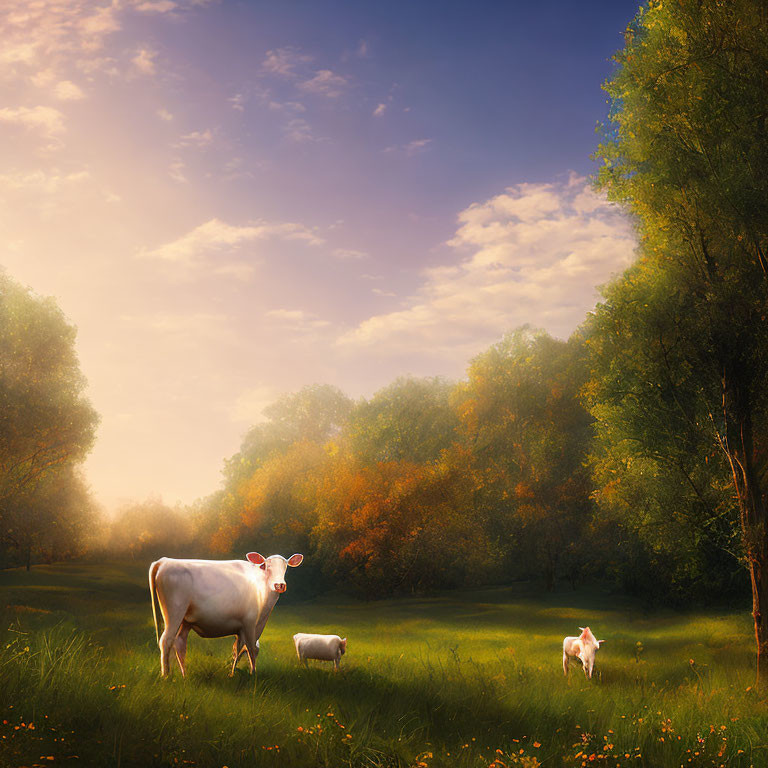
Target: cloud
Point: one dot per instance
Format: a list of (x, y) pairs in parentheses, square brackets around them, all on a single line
[(42, 39), (47, 120), (380, 110), (44, 181), (176, 171), (215, 237), (292, 106), (144, 61), (238, 102), (41, 182), (325, 83), (533, 254), (417, 145), (349, 253), (156, 6), (39, 36), (94, 27), (66, 90), (284, 61), (164, 115), (236, 168), (19, 53), (299, 130), (196, 139), (411, 148)]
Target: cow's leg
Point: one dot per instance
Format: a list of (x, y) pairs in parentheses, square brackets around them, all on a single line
[(173, 620), (565, 663), (238, 649), (180, 646), (336, 664), (252, 647)]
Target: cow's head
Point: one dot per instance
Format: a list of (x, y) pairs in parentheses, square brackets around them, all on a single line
[(343, 645), (274, 568), (589, 647)]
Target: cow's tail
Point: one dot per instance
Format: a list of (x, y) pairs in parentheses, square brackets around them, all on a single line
[(152, 589)]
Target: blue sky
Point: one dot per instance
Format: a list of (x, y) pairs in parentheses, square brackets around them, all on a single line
[(235, 199)]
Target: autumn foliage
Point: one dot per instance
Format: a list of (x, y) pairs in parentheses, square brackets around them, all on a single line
[(402, 526), (429, 484)]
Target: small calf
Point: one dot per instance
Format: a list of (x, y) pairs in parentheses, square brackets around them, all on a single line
[(321, 647), (583, 647)]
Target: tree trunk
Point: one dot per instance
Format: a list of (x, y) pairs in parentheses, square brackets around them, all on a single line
[(758, 569), (753, 518), (29, 556), (753, 529)]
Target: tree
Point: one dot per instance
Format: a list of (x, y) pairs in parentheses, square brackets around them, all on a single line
[(315, 413), (657, 471), (54, 520), (411, 419), (686, 152), (46, 423), (398, 526), (263, 494), (274, 506), (528, 434), (149, 528)]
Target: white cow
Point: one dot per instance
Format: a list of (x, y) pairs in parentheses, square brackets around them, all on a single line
[(216, 598), (321, 647), (583, 647)]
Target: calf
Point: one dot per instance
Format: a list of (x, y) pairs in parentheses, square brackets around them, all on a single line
[(583, 647), (321, 647)]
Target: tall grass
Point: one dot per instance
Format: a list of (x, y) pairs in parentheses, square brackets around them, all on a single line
[(465, 679)]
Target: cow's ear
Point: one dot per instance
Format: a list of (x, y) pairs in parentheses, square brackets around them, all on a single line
[(600, 642), (295, 560), (256, 559)]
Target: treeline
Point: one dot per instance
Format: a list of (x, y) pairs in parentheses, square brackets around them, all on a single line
[(505, 475), (427, 484)]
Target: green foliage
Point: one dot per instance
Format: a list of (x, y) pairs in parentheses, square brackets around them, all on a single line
[(410, 420), (315, 413), (528, 433), (680, 345), (148, 530), (658, 471), (47, 426), (687, 146)]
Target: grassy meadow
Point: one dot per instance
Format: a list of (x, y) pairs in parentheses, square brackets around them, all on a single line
[(470, 678)]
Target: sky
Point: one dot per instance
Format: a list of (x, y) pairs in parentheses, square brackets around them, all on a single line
[(235, 199)]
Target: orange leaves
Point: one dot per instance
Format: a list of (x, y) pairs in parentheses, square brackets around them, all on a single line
[(524, 491), (222, 540), (397, 524)]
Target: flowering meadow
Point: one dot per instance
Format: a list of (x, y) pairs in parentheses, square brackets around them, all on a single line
[(470, 678)]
